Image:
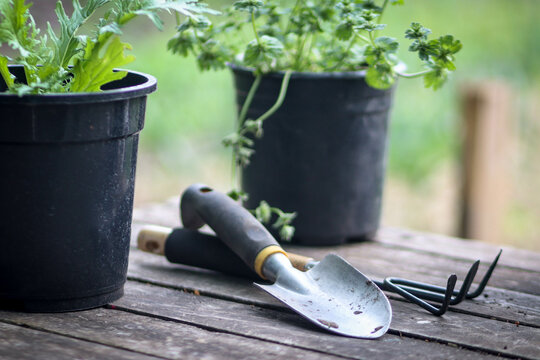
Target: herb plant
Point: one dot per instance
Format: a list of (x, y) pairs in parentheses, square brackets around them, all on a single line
[(305, 36), (66, 61)]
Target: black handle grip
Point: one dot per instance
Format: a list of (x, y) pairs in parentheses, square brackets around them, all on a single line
[(233, 224), (190, 247)]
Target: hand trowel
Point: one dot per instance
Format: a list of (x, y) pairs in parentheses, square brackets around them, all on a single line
[(332, 294)]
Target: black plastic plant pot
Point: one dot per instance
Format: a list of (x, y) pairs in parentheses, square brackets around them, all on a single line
[(66, 194), (322, 153)]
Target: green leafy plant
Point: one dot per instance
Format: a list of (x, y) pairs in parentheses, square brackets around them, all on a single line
[(66, 61), (306, 36)]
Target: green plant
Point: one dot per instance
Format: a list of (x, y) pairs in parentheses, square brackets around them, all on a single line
[(68, 61), (300, 36)]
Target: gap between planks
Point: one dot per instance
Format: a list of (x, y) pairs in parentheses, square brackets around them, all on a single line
[(504, 304), (283, 308), (173, 342), (218, 330), (72, 337), (449, 339), (434, 245)]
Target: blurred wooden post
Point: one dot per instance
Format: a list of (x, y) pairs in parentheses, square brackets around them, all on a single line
[(485, 158)]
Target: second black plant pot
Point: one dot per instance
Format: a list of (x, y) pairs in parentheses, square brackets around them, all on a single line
[(323, 153), (66, 194)]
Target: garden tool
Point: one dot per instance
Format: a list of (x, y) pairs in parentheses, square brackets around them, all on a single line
[(193, 248), (332, 294)]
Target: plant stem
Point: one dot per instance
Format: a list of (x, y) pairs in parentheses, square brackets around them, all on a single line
[(310, 47), (281, 97), (414, 75), (372, 40), (300, 50), (351, 43), (288, 27), (255, 28), (382, 11), (238, 126), (247, 103), (177, 15), (364, 38)]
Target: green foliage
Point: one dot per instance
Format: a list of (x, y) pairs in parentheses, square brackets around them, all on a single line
[(262, 53), (265, 213), (47, 57), (93, 71), (249, 6), (315, 35)]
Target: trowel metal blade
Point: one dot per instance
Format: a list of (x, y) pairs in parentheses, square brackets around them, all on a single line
[(340, 299)]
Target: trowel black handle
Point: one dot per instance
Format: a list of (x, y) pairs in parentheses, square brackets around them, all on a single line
[(234, 225), (193, 248)]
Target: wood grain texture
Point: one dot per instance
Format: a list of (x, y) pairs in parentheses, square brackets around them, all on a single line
[(167, 214), (507, 305), (178, 312), (20, 343), (156, 336), (382, 261), (458, 248), (289, 328)]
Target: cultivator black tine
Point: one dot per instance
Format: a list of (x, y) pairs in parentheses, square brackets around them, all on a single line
[(437, 293), (485, 279), (419, 293), (394, 285)]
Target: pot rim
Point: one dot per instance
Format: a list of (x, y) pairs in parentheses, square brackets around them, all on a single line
[(145, 84), (311, 74)]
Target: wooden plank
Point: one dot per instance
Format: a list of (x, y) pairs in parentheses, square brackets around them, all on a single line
[(485, 157), (458, 248), (282, 327), (502, 304), (278, 326), (467, 330), (167, 214), (20, 343), (154, 336), (382, 260)]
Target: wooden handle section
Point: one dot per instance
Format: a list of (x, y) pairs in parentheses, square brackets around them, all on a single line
[(152, 239), (299, 262)]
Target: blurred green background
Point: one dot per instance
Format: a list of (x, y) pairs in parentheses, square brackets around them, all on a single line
[(192, 111)]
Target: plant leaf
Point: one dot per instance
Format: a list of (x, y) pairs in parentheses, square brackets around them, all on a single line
[(17, 28), (263, 54), (248, 5), (436, 78), (93, 71), (263, 212), (380, 76), (417, 31), (67, 44), (4, 71)]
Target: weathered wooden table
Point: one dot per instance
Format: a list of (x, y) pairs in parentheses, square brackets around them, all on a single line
[(176, 312)]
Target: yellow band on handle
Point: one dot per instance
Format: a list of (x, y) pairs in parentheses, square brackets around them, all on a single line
[(263, 255)]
